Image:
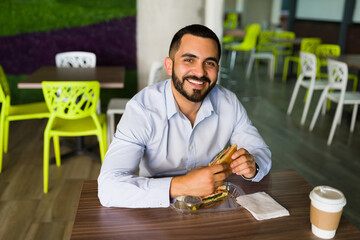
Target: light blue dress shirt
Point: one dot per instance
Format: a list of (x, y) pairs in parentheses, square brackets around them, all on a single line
[(155, 139)]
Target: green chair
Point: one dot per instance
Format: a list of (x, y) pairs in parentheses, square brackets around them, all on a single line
[(265, 44), (72, 107), (282, 47), (230, 22), (307, 45), (247, 45), (331, 50), (14, 113)]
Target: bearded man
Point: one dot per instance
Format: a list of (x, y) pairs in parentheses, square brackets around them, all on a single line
[(171, 131)]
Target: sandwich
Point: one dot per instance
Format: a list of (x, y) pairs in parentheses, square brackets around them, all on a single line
[(220, 194), (224, 156)]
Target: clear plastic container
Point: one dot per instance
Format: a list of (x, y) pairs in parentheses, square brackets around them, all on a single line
[(225, 205)]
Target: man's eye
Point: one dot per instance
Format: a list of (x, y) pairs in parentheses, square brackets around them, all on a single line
[(211, 64), (188, 60)]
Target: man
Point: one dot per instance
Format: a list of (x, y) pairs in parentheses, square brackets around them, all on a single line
[(172, 130)]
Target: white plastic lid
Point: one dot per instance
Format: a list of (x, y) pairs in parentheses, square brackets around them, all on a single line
[(328, 195)]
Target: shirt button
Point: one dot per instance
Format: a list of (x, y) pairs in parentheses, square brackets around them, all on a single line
[(191, 147)]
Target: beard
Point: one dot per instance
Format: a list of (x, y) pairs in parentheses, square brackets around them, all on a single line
[(196, 95)]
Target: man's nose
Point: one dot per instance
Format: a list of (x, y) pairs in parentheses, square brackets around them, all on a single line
[(199, 70)]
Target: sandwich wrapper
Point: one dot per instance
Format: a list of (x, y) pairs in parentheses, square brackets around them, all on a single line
[(262, 206)]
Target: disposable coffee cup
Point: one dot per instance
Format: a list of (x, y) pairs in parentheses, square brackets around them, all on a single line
[(325, 211)]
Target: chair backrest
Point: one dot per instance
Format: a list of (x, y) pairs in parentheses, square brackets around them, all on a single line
[(265, 42), (71, 100), (155, 73), (231, 21), (76, 59), (325, 50), (251, 35), (309, 44), (338, 75), (4, 90), (308, 65), (285, 35)]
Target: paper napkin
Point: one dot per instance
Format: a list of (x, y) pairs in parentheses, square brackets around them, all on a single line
[(262, 206)]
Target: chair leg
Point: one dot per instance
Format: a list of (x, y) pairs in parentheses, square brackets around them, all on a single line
[(271, 68), (57, 151), (293, 97), (6, 135), (334, 124), (249, 66), (232, 60), (46, 161), (102, 146), (353, 119), (307, 105), (285, 70), (318, 108), (323, 111), (1, 144)]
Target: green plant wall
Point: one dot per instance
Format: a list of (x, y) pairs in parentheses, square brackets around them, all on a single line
[(28, 16)]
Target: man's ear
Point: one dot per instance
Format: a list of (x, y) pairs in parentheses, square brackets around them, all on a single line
[(168, 65)]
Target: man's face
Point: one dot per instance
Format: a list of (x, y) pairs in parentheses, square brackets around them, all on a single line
[(195, 67)]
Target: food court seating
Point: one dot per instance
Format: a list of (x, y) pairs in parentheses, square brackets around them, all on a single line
[(117, 105), (72, 107), (330, 50), (338, 77), (10, 113), (264, 56), (263, 52), (306, 79), (250, 39), (308, 45), (230, 22), (283, 48)]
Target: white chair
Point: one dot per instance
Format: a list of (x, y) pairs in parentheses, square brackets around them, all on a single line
[(76, 59), (117, 105), (338, 77), (308, 70), (261, 55)]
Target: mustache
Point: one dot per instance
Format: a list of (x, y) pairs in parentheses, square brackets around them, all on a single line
[(203, 78)]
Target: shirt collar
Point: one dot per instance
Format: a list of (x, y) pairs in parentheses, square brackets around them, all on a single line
[(171, 106)]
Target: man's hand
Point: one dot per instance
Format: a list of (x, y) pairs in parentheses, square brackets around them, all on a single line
[(199, 182), (243, 163)]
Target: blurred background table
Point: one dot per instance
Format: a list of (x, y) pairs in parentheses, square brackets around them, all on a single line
[(94, 221), (108, 76), (352, 60)]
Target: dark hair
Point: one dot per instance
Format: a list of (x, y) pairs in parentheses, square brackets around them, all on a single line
[(196, 30)]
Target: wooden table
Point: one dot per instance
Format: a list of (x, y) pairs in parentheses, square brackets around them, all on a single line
[(287, 187), (108, 77), (295, 41), (234, 32), (352, 60)]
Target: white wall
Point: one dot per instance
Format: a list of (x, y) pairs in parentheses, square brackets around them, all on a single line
[(157, 22), (356, 16), (258, 11), (326, 10)]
